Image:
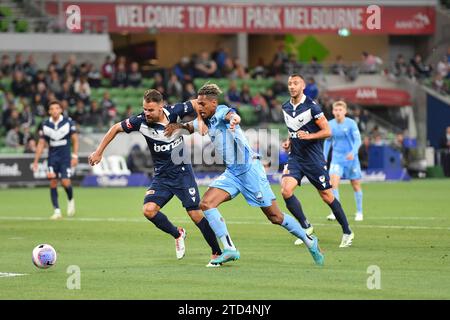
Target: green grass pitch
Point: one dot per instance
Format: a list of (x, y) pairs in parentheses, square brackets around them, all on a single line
[(406, 233)]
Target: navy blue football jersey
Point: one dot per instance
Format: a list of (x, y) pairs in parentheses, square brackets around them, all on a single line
[(58, 136), (303, 117), (162, 147)]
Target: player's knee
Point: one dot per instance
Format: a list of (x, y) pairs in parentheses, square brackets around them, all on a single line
[(275, 218), (286, 192), (206, 204), (150, 210), (328, 197)]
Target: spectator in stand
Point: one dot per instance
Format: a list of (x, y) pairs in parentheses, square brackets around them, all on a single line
[(205, 67), (109, 107), (370, 62), (232, 96), (79, 115), (120, 76), (30, 146), (245, 96), (65, 108), (135, 76), (38, 106), (54, 83), (93, 76), (279, 59), (292, 65), (184, 70), (261, 106), (108, 68), (26, 116), (421, 69), (400, 66), (174, 87), (338, 67), (30, 68), (314, 67), (443, 68), (13, 138), (241, 71), (24, 134), (363, 153), (128, 112), (82, 89), (71, 68), (220, 56), (55, 63), (311, 90), (360, 119), (19, 86), (279, 86), (158, 82), (399, 145), (5, 65), (260, 70), (18, 63), (67, 94), (439, 84), (95, 117), (189, 91)]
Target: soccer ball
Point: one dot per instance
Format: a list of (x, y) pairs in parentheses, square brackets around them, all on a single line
[(44, 256)]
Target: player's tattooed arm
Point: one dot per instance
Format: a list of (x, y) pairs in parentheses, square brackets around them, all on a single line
[(97, 155), (172, 128), (323, 133)]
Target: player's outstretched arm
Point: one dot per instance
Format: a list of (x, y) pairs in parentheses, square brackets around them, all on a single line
[(75, 144), (97, 155), (172, 128), (39, 149), (323, 133)]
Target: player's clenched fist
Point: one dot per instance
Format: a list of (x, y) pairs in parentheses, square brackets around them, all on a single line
[(94, 158), (304, 135), (286, 144)]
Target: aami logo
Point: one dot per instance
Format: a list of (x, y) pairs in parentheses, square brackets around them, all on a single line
[(169, 146), (367, 93), (418, 21)]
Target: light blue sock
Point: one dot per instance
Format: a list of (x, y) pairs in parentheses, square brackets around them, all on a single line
[(336, 193), (359, 201), (217, 224), (292, 225)]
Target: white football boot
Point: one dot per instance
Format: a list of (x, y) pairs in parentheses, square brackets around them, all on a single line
[(359, 216), (309, 232), (347, 240), (56, 215), (71, 208), (331, 217), (179, 244)]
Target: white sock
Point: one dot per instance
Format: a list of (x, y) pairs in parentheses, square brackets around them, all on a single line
[(227, 243)]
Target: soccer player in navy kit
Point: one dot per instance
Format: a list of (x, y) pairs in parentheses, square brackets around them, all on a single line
[(308, 127), (60, 134), (170, 179)]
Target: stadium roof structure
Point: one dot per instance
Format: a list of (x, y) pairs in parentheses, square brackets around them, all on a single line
[(408, 3)]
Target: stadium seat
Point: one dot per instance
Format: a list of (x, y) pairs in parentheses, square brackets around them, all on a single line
[(21, 26), (118, 165)]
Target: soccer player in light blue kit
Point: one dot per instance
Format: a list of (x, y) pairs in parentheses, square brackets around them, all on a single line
[(345, 140), (244, 174)]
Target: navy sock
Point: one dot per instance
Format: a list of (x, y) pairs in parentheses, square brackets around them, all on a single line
[(162, 222), (340, 215), (294, 207), (54, 196), (209, 236), (69, 192)]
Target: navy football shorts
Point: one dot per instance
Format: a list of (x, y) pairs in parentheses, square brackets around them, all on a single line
[(316, 173), (184, 186), (61, 169)]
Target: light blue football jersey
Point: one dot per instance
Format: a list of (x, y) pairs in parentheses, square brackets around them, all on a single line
[(345, 138)]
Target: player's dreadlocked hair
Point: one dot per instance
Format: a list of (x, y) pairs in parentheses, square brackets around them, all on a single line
[(211, 90), (153, 95)]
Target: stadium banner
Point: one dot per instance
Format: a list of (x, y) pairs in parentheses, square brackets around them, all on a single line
[(206, 178), (372, 96), (255, 18), (16, 170)]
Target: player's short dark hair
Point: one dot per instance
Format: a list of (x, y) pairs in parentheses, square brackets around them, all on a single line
[(211, 90), (153, 95), (292, 75), (55, 102)]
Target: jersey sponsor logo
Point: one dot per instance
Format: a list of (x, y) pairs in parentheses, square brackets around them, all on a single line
[(169, 146)]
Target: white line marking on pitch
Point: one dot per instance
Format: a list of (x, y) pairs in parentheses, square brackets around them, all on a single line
[(7, 274), (142, 220)]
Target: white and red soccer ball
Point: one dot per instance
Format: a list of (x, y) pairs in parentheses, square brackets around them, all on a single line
[(44, 256)]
